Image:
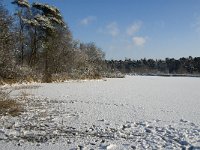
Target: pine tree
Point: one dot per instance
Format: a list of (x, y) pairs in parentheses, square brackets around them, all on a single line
[(51, 25)]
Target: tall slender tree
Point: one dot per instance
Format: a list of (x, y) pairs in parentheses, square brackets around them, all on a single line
[(22, 9)]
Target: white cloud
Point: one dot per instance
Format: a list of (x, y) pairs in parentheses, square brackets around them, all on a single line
[(112, 29), (139, 41), (135, 27), (88, 20)]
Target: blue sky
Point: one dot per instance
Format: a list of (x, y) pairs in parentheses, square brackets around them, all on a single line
[(134, 28)]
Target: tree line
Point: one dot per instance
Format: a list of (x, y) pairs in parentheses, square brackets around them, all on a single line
[(183, 65), (36, 43)]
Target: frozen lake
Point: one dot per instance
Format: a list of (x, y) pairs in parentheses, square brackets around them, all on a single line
[(132, 98), (142, 110)]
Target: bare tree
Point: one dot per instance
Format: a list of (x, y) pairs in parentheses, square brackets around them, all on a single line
[(94, 58), (6, 42)]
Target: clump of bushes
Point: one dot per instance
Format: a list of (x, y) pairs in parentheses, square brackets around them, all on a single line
[(19, 74)]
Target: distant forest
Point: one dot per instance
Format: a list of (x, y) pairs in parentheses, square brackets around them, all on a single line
[(37, 45), (149, 66)]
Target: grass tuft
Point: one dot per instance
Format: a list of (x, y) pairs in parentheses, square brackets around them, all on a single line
[(9, 106)]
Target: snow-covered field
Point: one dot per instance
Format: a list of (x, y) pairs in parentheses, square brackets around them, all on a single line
[(137, 112)]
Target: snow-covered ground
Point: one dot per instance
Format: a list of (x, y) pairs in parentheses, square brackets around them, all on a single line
[(137, 112)]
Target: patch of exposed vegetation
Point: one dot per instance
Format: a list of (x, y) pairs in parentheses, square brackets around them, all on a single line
[(8, 105)]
